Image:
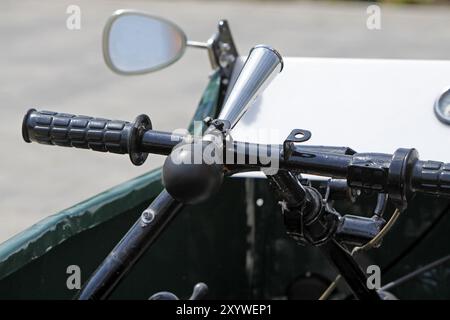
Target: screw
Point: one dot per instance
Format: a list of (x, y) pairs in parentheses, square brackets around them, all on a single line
[(147, 216)]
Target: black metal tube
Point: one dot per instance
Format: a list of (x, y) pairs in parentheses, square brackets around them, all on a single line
[(400, 174), (126, 253), (357, 230), (323, 164), (159, 142), (244, 155), (290, 188), (349, 270), (315, 227)]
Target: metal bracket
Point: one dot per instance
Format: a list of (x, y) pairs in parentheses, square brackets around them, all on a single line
[(296, 136), (222, 50), (221, 125)]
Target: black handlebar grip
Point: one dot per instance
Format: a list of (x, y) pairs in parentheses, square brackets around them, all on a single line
[(98, 134), (431, 177)]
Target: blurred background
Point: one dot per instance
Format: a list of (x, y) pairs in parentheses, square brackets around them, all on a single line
[(45, 65)]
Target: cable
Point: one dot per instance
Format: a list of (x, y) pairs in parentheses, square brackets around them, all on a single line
[(401, 256), (372, 243), (416, 242), (330, 288), (377, 239), (415, 273)]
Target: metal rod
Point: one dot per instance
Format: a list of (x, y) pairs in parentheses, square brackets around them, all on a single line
[(197, 44), (244, 156), (293, 192), (326, 164), (159, 142), (415, 273), (349, 270), (381, 204), (133, 245), (253, 155)]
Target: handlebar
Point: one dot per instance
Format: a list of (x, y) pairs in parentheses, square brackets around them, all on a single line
[(98, 134), (400, 174)]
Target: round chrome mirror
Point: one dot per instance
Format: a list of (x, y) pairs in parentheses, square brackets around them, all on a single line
[(137, 43)]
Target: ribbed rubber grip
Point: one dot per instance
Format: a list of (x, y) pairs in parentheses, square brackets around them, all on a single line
[(98, 134), (431, 177)]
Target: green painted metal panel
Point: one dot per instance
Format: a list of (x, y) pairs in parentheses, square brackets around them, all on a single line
[(204, 243)]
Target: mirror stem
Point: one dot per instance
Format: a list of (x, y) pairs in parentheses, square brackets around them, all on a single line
[(197, 44)]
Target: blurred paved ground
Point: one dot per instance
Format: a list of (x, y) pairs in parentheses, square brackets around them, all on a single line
[(44, 65)]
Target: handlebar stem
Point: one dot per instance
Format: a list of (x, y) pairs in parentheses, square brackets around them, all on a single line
[(310, 221)]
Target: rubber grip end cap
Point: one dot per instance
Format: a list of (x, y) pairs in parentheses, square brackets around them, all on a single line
[(25, 135)]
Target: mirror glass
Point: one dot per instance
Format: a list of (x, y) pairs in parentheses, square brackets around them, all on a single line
[(137, 43)]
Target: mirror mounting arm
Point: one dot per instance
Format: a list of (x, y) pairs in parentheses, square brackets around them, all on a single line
[(223, 55), (197, 44), (222, 50)]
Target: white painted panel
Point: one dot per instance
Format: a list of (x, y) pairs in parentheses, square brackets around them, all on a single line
[(368, 105)]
